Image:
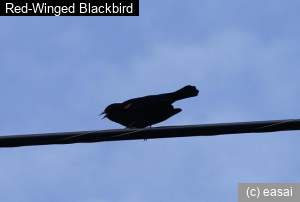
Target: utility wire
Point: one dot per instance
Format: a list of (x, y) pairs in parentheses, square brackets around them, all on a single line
[(149, 133)]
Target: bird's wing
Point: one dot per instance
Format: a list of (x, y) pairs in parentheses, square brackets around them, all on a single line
[(145, 102)]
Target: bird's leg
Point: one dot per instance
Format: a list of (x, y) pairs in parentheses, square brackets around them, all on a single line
[(131, 125)]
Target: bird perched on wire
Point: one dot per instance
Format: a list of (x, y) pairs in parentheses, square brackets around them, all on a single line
[(149, 110)]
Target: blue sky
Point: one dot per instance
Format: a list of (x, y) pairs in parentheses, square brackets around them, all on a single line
[(58, 73)]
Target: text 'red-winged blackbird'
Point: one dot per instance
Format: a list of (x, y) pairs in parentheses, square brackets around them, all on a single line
[(146, 111)]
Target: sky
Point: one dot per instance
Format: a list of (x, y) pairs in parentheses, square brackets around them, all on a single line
[(58, 73)]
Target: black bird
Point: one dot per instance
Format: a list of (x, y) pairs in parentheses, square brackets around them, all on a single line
[(149, 110)]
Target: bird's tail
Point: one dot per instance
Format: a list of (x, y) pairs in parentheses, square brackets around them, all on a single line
[(185, 92)]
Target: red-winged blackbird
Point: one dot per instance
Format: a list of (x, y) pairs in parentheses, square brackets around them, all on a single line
[(146, 111)]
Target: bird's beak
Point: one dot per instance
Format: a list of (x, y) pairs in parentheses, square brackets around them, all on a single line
[(104, 115)]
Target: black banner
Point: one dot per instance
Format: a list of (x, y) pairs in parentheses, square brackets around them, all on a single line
[(99, 8)]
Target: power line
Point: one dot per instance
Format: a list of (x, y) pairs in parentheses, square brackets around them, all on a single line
[(149, 133)]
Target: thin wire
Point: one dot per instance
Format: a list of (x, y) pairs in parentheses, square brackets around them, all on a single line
[(276, 124), (78, 135), (123, 134)]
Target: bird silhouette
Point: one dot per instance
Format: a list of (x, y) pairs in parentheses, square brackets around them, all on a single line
[(149, 110)]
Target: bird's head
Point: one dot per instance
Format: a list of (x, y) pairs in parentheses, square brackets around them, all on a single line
[(111, 110)]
